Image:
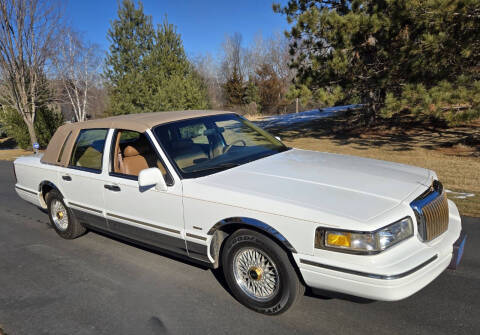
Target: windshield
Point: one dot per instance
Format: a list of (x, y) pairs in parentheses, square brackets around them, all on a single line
[(206, 145)]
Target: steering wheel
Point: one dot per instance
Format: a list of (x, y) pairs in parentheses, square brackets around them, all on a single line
[(228, 147)]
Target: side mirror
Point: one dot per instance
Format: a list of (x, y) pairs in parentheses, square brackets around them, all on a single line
[(152, 177)]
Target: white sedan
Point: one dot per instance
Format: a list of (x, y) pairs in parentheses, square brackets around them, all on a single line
[(214, 188)]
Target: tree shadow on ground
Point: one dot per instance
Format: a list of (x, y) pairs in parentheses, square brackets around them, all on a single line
[(401, 133), (7, 143)]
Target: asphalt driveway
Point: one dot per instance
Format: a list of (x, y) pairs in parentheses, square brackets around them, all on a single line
[(98, 285)]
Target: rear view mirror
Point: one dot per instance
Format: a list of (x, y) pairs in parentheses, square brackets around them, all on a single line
[(152, 177)]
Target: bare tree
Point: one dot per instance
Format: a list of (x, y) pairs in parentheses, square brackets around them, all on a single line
[(207, 67), (274, 52), (77, 64), (233, 57), (27, 34)]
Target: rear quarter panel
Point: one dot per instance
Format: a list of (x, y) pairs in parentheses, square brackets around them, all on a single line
[(30, 174)]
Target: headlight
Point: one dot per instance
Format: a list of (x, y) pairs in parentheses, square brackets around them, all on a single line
[(364, 242)]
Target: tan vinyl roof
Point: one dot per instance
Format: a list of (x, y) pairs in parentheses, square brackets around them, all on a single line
[(137, 122), (144, 121)]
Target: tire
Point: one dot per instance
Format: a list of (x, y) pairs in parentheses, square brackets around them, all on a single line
[(61, 217), (259, 273)]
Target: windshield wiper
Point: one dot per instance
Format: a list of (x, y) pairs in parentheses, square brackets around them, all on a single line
[(220, 167)]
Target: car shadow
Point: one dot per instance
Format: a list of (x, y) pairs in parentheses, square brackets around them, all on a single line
[(217, 273), (329, 295)]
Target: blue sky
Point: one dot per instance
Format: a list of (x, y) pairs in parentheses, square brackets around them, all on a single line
[(202, 24)]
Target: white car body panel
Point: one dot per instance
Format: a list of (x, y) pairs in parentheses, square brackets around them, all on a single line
[(160, 212), (315, 187), (30, 174), (292, 193)]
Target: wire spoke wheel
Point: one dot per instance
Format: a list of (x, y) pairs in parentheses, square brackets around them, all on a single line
[(59, 215), (256, 274)]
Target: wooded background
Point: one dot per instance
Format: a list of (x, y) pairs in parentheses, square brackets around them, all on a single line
[(390, 56)]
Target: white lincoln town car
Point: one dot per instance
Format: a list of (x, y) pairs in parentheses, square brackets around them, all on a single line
[(216, 189)]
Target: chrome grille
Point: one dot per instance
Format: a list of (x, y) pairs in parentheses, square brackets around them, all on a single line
[(431, 209), (436, 217)]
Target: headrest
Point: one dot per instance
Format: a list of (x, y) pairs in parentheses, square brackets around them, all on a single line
[(135, 149)]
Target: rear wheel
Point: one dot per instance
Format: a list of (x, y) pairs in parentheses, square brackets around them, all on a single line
[(61, 217), (259, 273)]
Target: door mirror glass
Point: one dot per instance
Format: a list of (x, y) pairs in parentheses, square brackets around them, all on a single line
[(152, 177)]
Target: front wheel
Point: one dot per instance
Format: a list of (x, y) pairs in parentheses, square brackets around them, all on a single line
[(259, 273)]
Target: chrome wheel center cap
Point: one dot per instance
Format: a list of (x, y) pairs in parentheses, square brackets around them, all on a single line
[(255, 273), (59, 215)]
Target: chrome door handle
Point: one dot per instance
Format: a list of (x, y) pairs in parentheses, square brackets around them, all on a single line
[(66, 178), (113, 188)]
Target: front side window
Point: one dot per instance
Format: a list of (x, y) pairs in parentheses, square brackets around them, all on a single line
[(88, 151), (132, 152), (206, 145)]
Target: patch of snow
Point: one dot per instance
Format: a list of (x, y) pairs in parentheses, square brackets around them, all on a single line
[(293, 118)]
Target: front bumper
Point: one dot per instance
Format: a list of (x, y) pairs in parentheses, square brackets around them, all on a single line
[(392, 275), (458, 249)]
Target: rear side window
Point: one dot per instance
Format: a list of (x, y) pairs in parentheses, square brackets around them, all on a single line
[(88, 151)]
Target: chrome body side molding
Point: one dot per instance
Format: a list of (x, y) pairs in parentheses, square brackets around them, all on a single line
[(367, 274), (26, 190)]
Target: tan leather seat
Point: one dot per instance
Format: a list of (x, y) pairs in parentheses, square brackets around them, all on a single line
[(135, 158), (139, 156)]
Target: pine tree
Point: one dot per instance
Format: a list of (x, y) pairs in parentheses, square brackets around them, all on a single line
[(147, 70), (132, 38), (234, 90), (175, 83), (374, 49), (251, 93)]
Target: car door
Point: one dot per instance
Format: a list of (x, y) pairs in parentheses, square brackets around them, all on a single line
[(81, 182), (150, 216)]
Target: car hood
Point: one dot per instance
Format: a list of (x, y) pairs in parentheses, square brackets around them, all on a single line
[(309, 184)]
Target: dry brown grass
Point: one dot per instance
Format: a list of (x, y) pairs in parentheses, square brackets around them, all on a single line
[(12, 154), (255, 116)]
